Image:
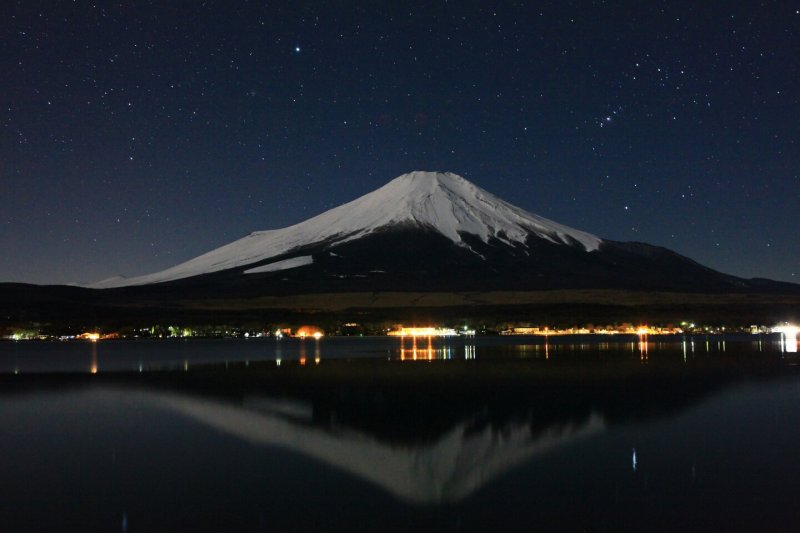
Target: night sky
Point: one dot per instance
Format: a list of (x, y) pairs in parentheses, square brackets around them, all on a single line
[(135, 136)]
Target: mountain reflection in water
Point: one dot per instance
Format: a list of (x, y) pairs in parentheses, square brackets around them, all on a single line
[(449, 469)]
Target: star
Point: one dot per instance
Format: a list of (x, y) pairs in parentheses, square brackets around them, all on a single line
[(629, 100)]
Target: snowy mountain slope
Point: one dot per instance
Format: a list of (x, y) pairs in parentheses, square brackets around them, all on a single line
[(442, 202)]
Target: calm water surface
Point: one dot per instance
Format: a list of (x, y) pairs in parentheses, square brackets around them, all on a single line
[(695, 433)]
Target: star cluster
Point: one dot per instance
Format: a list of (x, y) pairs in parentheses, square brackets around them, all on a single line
[(135, 135)]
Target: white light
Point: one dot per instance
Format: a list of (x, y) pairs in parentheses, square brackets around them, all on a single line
[(788, 336), (789, 330)]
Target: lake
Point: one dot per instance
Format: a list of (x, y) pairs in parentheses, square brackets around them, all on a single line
[(473, 434)]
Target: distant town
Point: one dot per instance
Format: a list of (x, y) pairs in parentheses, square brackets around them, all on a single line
[(351, 329)]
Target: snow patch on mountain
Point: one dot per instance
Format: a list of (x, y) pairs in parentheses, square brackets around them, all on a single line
[(114, 281), (442, 202), (286, 264)]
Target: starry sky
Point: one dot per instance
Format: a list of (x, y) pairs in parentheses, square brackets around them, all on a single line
[(137, 135)]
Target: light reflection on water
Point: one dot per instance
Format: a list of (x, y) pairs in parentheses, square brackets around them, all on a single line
[(93, 364), (433, 348), (143, 356), (789, 343)]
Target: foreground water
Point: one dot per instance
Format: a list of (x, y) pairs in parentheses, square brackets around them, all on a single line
[(692, 433)]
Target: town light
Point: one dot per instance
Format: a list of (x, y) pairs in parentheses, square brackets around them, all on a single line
[(789, 330), (424, 332)]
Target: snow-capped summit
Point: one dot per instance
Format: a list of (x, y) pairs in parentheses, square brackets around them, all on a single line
[(451, 205), (441, 202)]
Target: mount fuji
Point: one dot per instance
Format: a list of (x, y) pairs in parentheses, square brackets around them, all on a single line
[(440, 203), (427, 231)]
